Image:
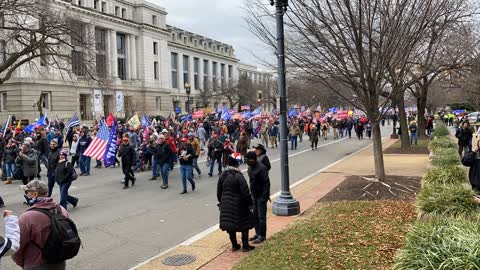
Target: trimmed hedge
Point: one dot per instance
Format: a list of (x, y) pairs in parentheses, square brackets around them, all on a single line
[(445, 175), (445, 152), (441, 245), (446, 160), (441, 130), (447, 201), (442, 142)]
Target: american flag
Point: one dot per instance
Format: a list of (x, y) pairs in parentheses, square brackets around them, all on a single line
[(96, 149)]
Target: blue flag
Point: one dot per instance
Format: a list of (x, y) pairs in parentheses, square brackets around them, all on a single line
[(111, 149), (145, 121), (332, 110), (247, 115), (225, 114), (257, 111), (292, 113), (74, 121), (186, 118)]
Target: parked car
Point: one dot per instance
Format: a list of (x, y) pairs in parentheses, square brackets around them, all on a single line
[(474, 117)]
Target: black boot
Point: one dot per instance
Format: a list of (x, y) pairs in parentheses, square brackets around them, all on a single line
[(233, 240), (245, 245), (2, 204)]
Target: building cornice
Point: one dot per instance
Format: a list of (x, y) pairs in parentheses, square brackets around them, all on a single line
[(184, 47)]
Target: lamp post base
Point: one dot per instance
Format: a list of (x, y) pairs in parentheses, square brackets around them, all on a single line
[(285, 205)]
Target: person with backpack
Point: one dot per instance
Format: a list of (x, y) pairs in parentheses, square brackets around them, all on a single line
[(64, 176), (47, 236)]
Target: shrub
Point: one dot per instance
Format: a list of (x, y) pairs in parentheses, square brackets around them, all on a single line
[(446, 160), (442, 142), (442, 245), (454, 175), (447, 201), (445, 151), (440, 130)]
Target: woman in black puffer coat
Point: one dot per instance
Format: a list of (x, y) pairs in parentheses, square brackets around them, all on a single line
[(235, 202)]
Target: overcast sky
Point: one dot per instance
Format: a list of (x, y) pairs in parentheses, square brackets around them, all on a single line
[(221, 20)]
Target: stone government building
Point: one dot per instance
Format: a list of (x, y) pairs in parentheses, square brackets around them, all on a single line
[(145, 62)]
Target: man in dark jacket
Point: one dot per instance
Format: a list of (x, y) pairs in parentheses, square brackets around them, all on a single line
[(161, 155), (215, 151), (464, 136), (234, 202), (262, 156), (84, 161), (260, 189), (53, 158), (127, 153)]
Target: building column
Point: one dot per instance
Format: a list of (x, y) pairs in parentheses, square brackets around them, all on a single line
[(200, 73), (181, 83), (190, 72), (91, 52), (132, 57), (210, 74), (108, 55), (113, 54)]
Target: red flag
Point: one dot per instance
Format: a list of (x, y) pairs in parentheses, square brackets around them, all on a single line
[(145, 134), (110, 119)]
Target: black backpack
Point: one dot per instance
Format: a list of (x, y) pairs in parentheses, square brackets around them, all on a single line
[(63, 242)]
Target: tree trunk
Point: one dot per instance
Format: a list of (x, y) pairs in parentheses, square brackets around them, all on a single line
[(378, 152), (402, 117), (421, 105)]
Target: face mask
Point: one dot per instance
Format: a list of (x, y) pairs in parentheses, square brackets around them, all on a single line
[(34, 201)]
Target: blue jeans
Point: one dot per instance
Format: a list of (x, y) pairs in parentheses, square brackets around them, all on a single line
[(165, 170), (260, 211), (85, 164), (413, 136), (155, 165), (212, 164), (9, 169), (172, 160), (51, 182), (293, 138), (186, 171), (64, 197)]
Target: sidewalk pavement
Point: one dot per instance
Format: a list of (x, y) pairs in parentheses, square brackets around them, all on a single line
[(213, 250)]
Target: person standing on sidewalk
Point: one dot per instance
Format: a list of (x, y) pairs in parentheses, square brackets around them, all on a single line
[(234, 203), (413, 132), (127, 153), (260, 189), (186, 156), (464, 136)]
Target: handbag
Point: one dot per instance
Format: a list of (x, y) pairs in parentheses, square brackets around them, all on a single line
[(469, 158)]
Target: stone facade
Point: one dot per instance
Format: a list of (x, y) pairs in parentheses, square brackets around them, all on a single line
[(136, 51)]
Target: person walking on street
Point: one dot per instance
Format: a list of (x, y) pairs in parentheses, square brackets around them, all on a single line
[(314, 136), (202, 135), (186, 155), (73, 150), (294, 132), (34, 228), (273, 133), (64, 176), (234, 203), (83, 144), (264, 131), (242, 145), (127, 153), (260, 189), (53, 158), (162, 154), (196, 149), (215, 150), (27, 160)]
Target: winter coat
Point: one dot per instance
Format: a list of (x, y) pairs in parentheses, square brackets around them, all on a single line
[(259, 181), (186, 150), (29, 164), (10, 154), (242, 145), (215, 149), (10, 243), (162, 153), (53, 158), (83, 144), (42, 146), (314, 134), (202, 134), (64, 172), (474, 173), (234, 202), (127, 153), (263, 158), (34, 228), (273, 132), (2, 147), (294, 130), (464, 136)]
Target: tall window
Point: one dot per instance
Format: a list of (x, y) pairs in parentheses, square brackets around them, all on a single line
[(124, 13), (100, 46), (222, 75), (104, 7), (154, 20), (3, 102), (186, 69), (121, 57), (77, 35), (214, 76), (205, 75), (3, 51), (159, 103), (155, 48), (155, 70), (45, 97), (95, 4), (174, 68), (196, 79), (117, 11)]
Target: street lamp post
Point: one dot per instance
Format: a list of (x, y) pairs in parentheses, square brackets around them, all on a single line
[(188, 89), (285, 204)]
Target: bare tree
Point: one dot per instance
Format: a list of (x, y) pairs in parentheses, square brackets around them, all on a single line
[(41, 35), (353, 43)]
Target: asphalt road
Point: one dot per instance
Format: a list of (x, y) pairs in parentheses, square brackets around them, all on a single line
[(121, 228)]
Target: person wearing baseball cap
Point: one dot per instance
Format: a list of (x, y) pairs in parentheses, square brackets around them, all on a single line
[(262, 157), (32, 227), (196, 148), (161, 160), (186, 155)]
